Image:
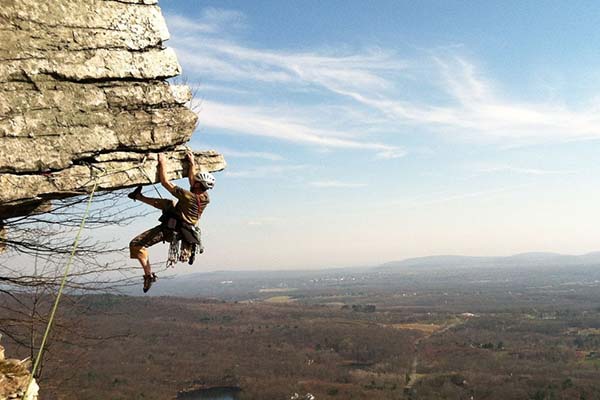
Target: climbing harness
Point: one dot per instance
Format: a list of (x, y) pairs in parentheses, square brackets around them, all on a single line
[(184, 239)]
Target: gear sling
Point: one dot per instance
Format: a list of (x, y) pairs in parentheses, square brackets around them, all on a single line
[(185, 239)]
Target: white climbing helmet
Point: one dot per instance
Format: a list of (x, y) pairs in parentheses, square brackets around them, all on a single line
[(206, 178)]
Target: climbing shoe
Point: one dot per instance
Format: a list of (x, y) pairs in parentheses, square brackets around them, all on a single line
[(134, 195), (148, 281)]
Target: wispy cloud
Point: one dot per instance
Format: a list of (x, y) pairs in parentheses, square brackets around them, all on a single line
[(334, 126), (462, 101), (201, 88), (524, 171), (261, 122), (264, 171), (337, 184), (250, 154), (180, 23), (337, 72), (443, 197), (469, 195), (211, 20)]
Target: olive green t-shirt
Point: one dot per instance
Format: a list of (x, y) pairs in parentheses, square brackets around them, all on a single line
[(190, 205)]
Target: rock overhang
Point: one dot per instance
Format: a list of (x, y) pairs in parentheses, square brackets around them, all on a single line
[(84, 98)]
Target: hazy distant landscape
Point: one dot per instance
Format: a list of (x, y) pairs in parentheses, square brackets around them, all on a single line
[(496, 275), (521, 327)]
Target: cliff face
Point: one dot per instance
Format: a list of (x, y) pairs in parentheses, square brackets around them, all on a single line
[(14, 379), (83, 98)]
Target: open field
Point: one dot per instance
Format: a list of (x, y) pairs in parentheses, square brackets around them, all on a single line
[(279, 299), (425, 339), (424, 328)]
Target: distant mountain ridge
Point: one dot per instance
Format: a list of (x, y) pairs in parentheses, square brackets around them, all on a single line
[(243, 285), (533, 259)]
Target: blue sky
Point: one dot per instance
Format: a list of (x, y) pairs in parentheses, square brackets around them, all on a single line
[(363, 132)]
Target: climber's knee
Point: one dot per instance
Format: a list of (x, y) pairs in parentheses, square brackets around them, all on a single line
[(163, 204), (138, 246), (136, 251)]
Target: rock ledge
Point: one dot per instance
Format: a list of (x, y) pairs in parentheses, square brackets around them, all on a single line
[(83, 97)]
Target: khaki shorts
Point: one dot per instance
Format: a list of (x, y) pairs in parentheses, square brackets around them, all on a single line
[(152, 236)]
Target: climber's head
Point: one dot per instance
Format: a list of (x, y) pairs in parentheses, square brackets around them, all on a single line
[(204, 181)]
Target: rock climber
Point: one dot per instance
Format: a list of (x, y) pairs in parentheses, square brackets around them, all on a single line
[(187, 210)]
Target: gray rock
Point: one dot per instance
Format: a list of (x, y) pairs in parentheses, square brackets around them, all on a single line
[(83, 100)]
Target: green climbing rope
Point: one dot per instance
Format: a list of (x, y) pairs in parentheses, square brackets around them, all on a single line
[(60, 289)]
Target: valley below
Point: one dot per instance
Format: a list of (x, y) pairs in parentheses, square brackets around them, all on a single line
[(409, 333)]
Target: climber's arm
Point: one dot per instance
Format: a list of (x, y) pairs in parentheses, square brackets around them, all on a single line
[(162, 175), (191, 168)]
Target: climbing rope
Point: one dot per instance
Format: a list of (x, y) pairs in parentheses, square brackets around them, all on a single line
[(60, 289), (149, 179)]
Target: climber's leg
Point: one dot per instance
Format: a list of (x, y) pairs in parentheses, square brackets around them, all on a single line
[(161, 204), (138, 249), (139, 244), (141, 254)]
